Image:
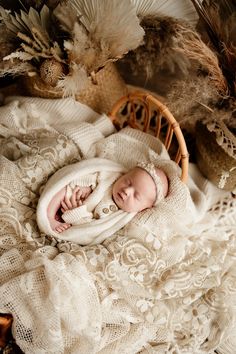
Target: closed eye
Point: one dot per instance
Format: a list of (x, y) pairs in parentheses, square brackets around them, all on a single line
[(129, 183), (137, 195)]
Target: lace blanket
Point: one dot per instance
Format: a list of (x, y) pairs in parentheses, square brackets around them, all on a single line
[(135, 293)]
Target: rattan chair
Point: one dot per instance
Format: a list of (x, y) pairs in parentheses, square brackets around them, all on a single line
[(145, 112)]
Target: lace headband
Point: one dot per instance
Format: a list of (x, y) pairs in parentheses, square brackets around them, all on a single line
[(150, 168)]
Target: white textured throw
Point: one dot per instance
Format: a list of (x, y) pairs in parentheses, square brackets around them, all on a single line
[(163, 284)]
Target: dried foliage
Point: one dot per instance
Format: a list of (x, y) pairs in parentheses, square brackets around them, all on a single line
[(82, 36), (159, 50), (183, 10), (195, 49), (113, 24), (219, 22), (38, 4), (191, 99), (23, 68)]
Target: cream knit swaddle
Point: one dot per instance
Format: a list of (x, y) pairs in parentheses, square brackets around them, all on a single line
[(96, 230)]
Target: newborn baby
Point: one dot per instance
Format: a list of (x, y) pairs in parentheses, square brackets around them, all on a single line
[(140, 188)]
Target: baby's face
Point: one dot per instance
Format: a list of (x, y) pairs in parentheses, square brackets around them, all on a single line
[(134, 191)]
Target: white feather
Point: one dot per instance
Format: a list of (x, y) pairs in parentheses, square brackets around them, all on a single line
[(74, 82), (113, 22), (182, 9)]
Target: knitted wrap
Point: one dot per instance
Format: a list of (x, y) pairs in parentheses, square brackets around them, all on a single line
[(94, 231)]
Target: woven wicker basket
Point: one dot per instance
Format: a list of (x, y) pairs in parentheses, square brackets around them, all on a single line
[(216, 154), (100, 96), (155, 119)]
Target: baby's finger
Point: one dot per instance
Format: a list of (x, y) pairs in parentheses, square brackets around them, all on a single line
[(78, 196), (64, 206), (74, 197), (63, 227), (84, 192), (68, 202), (66, 226), (79, 202)]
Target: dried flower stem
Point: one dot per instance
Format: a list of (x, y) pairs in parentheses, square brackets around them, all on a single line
[(54, 53), (205, 106), (28, 40), (40, 38), (30, 50)]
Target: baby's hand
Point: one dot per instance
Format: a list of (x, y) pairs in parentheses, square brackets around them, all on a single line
[(79, 195), (83, 193)]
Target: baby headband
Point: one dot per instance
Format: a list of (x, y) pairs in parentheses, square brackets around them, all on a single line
[(150, 168)]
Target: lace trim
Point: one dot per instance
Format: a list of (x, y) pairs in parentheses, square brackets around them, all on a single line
[(224, 137)]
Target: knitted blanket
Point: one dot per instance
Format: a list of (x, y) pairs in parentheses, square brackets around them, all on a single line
[(160, 285)]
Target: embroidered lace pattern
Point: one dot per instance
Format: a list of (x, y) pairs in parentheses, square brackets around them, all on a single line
[(135, 293), (226, 140)]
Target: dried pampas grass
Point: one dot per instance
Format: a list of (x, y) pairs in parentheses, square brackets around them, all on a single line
[(191, 99), (195, 49), (84, 51), (218, 20)]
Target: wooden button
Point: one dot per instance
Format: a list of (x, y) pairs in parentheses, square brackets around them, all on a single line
[(105, 210), (113, 207)]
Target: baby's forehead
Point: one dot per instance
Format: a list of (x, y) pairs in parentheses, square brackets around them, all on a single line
[(138, 173)]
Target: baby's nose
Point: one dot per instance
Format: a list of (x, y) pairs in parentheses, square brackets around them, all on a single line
[(128, 191)]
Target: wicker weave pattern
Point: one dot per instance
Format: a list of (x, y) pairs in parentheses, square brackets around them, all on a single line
[(101, 94), (155, 119)]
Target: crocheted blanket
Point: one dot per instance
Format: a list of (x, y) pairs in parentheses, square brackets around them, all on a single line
[(142, 291)]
